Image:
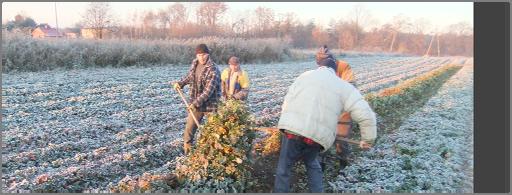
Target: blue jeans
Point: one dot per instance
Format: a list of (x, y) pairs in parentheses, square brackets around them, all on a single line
[(293, 150)]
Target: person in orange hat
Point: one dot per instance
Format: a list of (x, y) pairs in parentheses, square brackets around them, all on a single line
[(344, 129)]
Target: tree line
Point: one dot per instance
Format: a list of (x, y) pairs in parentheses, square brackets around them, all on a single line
[(188, 20)]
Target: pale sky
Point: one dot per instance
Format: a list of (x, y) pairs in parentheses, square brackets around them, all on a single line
[(439, 14)]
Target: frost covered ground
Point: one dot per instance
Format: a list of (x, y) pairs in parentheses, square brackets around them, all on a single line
[(80, 130), (431, 152)]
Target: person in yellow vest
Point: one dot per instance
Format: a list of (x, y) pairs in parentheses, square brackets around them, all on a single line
[(343, 71), (234, 81)]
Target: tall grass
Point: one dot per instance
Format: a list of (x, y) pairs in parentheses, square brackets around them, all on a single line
[(21, 53)]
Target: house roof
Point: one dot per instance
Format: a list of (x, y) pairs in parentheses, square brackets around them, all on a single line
[(50, 32)]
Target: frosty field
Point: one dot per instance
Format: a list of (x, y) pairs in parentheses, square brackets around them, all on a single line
[(431, 152), (80, 130)]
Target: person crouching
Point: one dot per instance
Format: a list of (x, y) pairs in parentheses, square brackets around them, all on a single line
[(309, 118)]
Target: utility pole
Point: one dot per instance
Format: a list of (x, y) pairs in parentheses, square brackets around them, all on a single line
[(56, 21), (393, 41), (438, 47), (429, 47)]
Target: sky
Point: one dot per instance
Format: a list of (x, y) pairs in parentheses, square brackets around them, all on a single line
[(439, 14)]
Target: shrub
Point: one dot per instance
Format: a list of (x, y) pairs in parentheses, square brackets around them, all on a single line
[(219, 160), (395, 103), (23, 53)]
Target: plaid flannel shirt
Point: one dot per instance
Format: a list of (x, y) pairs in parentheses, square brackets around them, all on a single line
[(206, 95)]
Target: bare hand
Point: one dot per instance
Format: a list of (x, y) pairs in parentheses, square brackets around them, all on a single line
[(364, 145), (192, 108)]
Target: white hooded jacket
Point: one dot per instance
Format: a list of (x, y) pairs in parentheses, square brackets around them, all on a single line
[(316, 99)]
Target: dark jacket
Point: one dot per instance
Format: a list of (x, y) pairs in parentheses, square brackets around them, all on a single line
[(206, 94)]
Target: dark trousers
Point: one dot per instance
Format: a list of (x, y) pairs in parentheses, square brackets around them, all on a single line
[(343, 148), (191, 127), (293, 150)]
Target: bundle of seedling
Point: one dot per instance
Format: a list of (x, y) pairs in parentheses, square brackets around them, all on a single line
[(219, 161)]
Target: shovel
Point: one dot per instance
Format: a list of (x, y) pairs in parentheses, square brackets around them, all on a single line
[(338, 138), (188, 109)]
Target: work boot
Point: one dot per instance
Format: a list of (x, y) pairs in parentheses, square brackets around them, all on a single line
[(186, 148)]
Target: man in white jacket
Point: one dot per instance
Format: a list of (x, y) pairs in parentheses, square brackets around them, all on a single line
[(309, 120)]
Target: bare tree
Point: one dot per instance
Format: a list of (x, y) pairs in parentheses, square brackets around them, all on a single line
[(178, 13), (461, 28), (177, 17), (163, 17), (98, 16), (346, 40), (420, 26), (284, 24), (133, 18), (320, 36), (239, 27), (359, 17), (209, 13), (264, 19), (400, 23), (149, 23)]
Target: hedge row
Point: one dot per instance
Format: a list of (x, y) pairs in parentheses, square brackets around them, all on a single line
[(393, 104), (22, 53)]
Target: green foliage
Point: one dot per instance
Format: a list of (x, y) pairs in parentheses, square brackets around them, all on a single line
[(395, 103), (392, 105), (405, 150), (220, 156), (408, 185)]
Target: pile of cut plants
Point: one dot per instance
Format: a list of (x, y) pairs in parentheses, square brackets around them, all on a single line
[(218, 163)]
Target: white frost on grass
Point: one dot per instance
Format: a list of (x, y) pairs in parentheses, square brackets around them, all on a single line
[(431, 152), (123, 122)]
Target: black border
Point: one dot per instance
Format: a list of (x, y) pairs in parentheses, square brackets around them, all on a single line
[(492, 97)]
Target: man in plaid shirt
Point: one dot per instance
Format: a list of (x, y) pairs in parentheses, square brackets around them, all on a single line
[(205, 91)]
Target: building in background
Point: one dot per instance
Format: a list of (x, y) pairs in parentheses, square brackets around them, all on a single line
[(90, 33), (71, 35), (45, 31)]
